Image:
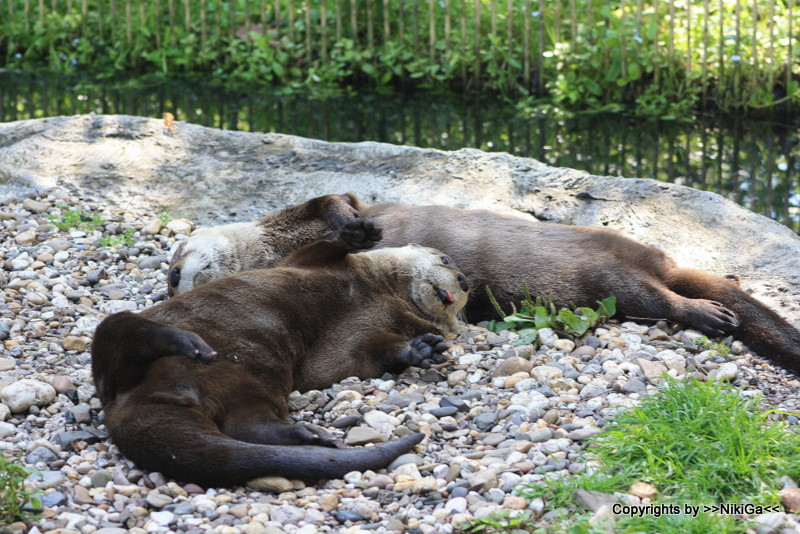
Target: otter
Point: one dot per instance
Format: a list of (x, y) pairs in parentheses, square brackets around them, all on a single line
[(571, 264), (197, 387)]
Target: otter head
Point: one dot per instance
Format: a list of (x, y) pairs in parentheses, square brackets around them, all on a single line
[(212, 253), (437, 288)]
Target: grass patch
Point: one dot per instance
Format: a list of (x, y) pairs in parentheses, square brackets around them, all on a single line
[(13, 495), (115, 241), (696, 443), (74, 218)]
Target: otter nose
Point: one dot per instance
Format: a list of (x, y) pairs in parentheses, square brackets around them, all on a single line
[(462, 281)]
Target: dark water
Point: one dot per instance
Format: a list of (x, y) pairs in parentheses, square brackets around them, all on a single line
[(755, 163)]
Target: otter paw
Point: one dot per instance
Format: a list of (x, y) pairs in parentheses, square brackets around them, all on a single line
[(712, 318), (359, 234), (425, 350), (171, 340), (313, 435)]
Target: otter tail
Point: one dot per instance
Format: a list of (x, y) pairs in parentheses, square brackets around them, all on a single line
[(185, 444), (759, 327)]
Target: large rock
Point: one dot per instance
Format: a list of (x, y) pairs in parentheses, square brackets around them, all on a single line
[(215, 176), (21, 395)]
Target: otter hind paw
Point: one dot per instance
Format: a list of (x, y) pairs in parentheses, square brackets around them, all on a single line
[(425, 351), (177, 341)]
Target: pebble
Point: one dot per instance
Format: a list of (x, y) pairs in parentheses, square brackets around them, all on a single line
[(360, 435), (25, 393)]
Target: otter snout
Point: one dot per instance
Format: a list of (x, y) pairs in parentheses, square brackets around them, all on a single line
[(462, 282)]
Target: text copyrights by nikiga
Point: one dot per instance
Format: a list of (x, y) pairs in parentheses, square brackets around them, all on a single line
[(657, 510)]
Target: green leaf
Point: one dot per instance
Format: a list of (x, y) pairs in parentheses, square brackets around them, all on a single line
[(608, 307)]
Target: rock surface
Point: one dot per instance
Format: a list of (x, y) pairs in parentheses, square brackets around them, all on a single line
[(213, 176)]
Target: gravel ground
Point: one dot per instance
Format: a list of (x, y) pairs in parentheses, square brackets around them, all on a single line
[(496, 415)]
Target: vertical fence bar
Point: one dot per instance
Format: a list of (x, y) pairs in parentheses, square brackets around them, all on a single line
[(540, 51), (493, 30), (290, 11), (526, 40), (246, 19), (308, 32), (447, 22), (556, 22), (231, 18), (704, 71), (386, 19), (689, 12), (464, 41), (323, 20), (187, 16), (431, 29), (41, 13), (789, 7), (276, 17), (656, 70), (263, 17), (671, 32), (142, 14), (401, 22), (354, 21), (721, 58), (415, 27), (339, 22), (370, 27), (26, 8), (157, 15), (573, 24), (203, 23), (113, 6), (510, 27), (477, 42), (623, 53), (128, 21), (737, 53), (771, 67)]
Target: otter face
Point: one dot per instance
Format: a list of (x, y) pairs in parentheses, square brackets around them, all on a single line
[(200, 259), (438, 288)]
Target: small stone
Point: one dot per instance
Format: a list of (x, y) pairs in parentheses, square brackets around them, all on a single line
[(445, 411), (585, 433), (566, 345), (81, 496), (546, 373), (634, 385), (651, 370), (551, 416), (35, 206), (484, 421), (180, 226), (361, 435), (328, 502), (585, 350), (7, 364), (153, 227), (26, 238), (404, 459), (541, 435), (513, 502), (726, 372), (485, 479), (593, 500), (62, 383), (6, 430), (25, 393), (643, 490), (790, 499), (423, 485), (456, 377), (74, 343), (271, 484), (158, 500), (101, 478), (162, 518), (656, 334), (512, 365), (152, 262), (547, 337)]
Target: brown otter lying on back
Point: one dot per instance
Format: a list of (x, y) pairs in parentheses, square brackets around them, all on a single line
[(197, 387), (570, 263)]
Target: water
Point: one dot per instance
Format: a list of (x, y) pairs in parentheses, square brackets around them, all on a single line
[(755, 163)]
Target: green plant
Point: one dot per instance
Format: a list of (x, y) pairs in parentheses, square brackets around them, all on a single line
[(704, 344), (697, 443), (501, 522), (74, 218), (165, 217), (13, 494), (540, 313), (115, 241)]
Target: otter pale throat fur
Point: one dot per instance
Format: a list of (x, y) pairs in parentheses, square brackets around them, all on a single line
[(570, 263), (197, 387)]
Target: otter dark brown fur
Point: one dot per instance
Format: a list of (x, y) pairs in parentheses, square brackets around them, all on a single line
[(569, 263), (197, 387)]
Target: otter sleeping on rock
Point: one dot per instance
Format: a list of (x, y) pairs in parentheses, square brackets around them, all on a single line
[(197, 387), (571, 264)]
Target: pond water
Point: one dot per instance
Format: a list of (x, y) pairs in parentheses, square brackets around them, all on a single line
[(755, 163)]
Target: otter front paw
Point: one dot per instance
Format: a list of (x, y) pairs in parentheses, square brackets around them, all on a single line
[(358, 234), (425, 350), (170, 340)]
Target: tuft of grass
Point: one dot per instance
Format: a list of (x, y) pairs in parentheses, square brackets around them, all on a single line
[(74, 218), (705, 344), (115, 241), (541, 313), (165, 217), (696, 443), (13, 495)]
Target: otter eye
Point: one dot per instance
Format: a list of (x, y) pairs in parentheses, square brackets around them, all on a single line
[(175, 277), (446, 260)]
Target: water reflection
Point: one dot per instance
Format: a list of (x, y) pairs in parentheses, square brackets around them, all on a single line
[(755, 163)]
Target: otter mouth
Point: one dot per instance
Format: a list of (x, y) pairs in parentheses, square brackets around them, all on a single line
[(444, 295)]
